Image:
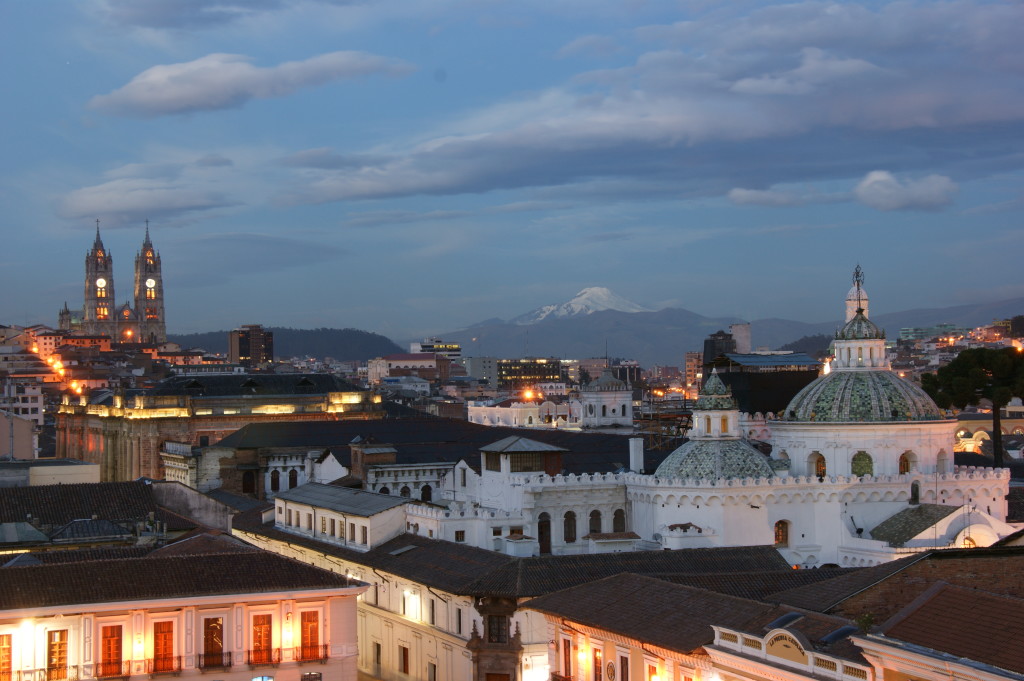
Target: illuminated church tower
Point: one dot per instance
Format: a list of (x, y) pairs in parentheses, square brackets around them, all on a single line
[(99, 288), (149, 294)]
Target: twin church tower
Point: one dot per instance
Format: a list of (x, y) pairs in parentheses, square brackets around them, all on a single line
[(102, 316)]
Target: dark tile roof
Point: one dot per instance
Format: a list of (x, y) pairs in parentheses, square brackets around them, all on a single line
[(651, 610), (538, 575), (225, 385), (755, 585), (89, 529), (989, 627), (103, 581), (235, 501), (60, 504), (203, 541), (903, 526), (467, 570), (99, 553), (824, 595), (423, 440)]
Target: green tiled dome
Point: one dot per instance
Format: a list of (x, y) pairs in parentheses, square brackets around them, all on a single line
[(860, 328), (715, 395), (714, 459), (861, 396)]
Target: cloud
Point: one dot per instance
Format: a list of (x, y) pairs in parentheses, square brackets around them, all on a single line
[(882, 191), (816, 69), (214, 161), (225, 81), (390, 217), (128, 201), (164, 14), (778, 197), (596, 45), (325, 158)]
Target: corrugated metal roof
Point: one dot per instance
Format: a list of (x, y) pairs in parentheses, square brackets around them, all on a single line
[(342, 499), (515, 443), (756, 359)]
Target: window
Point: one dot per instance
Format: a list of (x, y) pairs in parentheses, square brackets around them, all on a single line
[(377, 653), (275, 481), (497, 629), (323, 525), (426, 493), (262, 629), (163, 646), (818, 464), (405, 492), (623, 667), (908, 462), (619, 520), (526, 463), (334, 527), (915, 492), (351, 531), (598, 671), (293, 479), (6, 661), (57, 655), (213, 643), (363, 534), (385, 490), (309, 621), (652, 672), (569, 527), (431, 671), (110, 651), (595, 522), (458, 620), (462, 477), (492, 461), (725, 425), (403, 659), (249, 482), (566, 657), (431, 611), (460, 535), (782, 533)]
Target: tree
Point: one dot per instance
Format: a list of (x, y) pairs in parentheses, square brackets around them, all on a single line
[(980, 373)]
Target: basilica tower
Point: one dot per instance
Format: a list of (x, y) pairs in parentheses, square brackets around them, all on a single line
[(149, 293), (99, 287)]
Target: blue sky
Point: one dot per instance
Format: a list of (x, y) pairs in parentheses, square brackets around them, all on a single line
[(414, 167)]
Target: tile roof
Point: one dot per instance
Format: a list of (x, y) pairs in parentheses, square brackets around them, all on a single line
[(225, 385), (903, 526), (60, 504), (58, 584), (235, 501), (516, 443), (989, 628), (421, 440), (543, 574), (342, 499), (824, 595), (20, 533), (651, 610), (203, 541), (756, 585), (90, 529)]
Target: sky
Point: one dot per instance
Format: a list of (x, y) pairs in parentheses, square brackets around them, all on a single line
[(413, 167)]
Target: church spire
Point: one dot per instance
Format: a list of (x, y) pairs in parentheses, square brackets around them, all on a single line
[(857, 298), (147, 243), (98, 244)]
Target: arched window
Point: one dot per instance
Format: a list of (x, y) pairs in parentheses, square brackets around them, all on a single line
[(595, 522), (908, 461), (915, 492), (782, 533), (384, 490), (942, 462), (249, 482), (725, 425), (275, 480), (293, 479), (405, 492), (604, 410), (426, 493), (544, 533), (619, 520), (529, 420), (569, 527), (816, 464), (862, 465), (707, 425)]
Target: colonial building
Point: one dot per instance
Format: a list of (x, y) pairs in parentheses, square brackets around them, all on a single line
[(140, 320)]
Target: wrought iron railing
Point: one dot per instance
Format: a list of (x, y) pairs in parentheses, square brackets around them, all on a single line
[(214, 660), (316, 653), (170, 664), (263, 656), (560, 677), (107, 670), (45, 674)]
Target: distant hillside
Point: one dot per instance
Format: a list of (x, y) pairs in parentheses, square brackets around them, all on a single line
[(341, 344)]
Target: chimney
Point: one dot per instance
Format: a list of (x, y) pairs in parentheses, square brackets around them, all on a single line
[(636, 454)]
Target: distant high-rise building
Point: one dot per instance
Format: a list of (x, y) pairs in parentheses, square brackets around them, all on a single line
[(718, 343), (452, 351), (102, 316), (741, 337), (250, 346), (693, 372), (514, 374)]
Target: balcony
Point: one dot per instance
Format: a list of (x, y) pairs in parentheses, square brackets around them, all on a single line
[(164, 665), (263, 657), (47, 674), (110, 670), (317, 653), (560, 677), (214, 660)]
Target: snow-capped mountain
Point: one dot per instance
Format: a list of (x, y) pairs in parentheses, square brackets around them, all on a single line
[(587, 301)]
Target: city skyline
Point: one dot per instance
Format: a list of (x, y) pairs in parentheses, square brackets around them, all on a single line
[(414, 168)]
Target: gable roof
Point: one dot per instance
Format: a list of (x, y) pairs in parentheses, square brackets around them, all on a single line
[(989, 627), (57, 584), (516, 443), (60, 504)]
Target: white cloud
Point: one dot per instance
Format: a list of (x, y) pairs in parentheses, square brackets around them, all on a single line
[(881, 190), (224, 81), (764, 197), (131, 200), (598, 45), (816, 70)]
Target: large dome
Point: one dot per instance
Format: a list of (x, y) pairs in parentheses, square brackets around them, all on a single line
[(844, 396), (714, 459)]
